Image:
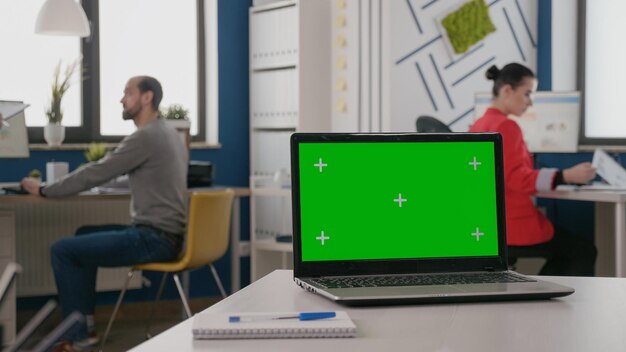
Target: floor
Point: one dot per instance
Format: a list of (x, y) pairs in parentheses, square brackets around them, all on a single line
[(129, 328)]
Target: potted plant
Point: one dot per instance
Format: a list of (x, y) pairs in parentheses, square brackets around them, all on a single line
[(178, 117), (36, 174), (96, 151), (54, 132)]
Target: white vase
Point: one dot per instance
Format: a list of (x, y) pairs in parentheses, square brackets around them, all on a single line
[(182, 126), (54, 134)]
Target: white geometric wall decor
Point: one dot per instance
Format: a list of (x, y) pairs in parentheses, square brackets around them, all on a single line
[(399, 67)]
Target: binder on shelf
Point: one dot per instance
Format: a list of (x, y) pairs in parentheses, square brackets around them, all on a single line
[(219, 326)]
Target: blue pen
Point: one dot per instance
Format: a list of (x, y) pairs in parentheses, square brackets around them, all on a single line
[(299, 316)]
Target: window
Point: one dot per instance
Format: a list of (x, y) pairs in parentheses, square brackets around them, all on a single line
[(603, 72), (28, 62), (152, 37), (161, 38)]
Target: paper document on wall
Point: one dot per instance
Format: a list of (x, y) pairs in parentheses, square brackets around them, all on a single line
[(9, 109), (611, 171)]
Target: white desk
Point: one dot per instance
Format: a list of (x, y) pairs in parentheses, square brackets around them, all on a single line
[(592, 319), (610, 218)]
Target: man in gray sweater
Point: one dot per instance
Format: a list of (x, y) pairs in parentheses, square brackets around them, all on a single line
[(155, 160)]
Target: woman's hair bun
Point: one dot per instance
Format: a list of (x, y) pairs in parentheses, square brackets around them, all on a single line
[(492, 73)]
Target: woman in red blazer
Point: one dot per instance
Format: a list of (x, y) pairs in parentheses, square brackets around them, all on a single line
[(529, 232)]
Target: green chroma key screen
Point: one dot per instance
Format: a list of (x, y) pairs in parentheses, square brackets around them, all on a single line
[(393, 200)]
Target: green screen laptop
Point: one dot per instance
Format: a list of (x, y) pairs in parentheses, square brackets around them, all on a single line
[(394, 218)]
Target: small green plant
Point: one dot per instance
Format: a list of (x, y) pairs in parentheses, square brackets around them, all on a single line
[(468, 25), (59, 87), (34, 173), (174, 112), (96, 151)]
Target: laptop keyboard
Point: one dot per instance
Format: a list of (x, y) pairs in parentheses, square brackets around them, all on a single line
[(419, 280)]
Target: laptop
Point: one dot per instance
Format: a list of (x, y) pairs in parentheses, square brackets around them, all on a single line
[(403, 218)]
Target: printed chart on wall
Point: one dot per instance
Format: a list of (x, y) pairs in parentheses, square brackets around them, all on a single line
[(551, 125), (13, 134), (437, 65)]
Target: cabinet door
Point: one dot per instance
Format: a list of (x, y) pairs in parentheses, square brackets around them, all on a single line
[(274, 37), (272, 217), (270, 152), (274, 98)]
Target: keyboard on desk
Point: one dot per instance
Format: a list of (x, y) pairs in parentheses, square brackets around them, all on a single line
[(14, 190), (419, 280)]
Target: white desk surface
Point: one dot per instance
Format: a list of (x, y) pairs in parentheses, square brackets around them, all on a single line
[(592, 319), (609, 196)]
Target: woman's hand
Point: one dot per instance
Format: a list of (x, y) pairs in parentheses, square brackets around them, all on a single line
[(580, 174)]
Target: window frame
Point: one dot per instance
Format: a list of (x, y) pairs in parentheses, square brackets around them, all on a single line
[(583, 140), (89, 130)]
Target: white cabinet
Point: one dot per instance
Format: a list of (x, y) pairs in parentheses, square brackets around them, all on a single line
[(270, 206), (290, 90)]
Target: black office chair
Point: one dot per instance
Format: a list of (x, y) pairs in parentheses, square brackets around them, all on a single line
[(429, 124), (514, 253)]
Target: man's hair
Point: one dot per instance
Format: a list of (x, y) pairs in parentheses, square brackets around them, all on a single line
[(147, 83)]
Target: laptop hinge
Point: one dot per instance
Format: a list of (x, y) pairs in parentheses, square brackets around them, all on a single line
[(489, 268)]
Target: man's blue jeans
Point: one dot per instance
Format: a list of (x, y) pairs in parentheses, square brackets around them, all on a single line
[(75, 262)]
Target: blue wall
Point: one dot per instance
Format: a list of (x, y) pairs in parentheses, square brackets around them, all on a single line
[(231, 161)]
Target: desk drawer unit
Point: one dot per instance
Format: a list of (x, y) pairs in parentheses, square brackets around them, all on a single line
[(7, 255), (41, 223)]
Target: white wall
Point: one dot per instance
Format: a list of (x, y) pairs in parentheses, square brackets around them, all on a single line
[(564, 44), (399, 66)]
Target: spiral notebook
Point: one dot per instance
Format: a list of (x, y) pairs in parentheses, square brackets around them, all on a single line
[(217, 326)]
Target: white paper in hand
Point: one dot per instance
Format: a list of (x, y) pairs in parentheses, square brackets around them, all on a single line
[(612, 172)]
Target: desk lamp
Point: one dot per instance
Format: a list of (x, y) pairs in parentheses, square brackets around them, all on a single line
[(62, 17)]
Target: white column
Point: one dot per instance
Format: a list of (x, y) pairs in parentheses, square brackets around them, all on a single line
[(564, 45)]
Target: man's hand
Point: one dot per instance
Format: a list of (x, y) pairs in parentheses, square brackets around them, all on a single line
[(31, 185), (579, 174)]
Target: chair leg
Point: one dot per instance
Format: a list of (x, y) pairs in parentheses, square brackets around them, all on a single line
[(117, 307), (154, 304), (218, 281), (182, 295)]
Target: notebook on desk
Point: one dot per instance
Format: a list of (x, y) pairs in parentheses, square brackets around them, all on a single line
[(403, 218), (220, 326)]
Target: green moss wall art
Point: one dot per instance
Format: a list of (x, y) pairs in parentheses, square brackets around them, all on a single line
[(468, 25)]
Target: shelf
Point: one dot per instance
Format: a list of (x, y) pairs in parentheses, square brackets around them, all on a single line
[(273, 67), (271, 192), (280, 120), (272, 6), (271, 245)]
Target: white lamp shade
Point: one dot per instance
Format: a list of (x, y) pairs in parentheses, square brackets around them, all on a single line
[(62, 17)]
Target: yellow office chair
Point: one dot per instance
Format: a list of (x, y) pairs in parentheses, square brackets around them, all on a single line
[(207, 239)]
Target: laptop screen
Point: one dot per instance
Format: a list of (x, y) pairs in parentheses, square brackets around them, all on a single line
[(400, 197)]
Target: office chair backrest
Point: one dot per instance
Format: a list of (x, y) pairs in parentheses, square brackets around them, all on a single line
[(429, 124), (208, 228)]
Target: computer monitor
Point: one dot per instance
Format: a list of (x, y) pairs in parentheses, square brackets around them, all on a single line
[(13, 135), (549, 126)]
